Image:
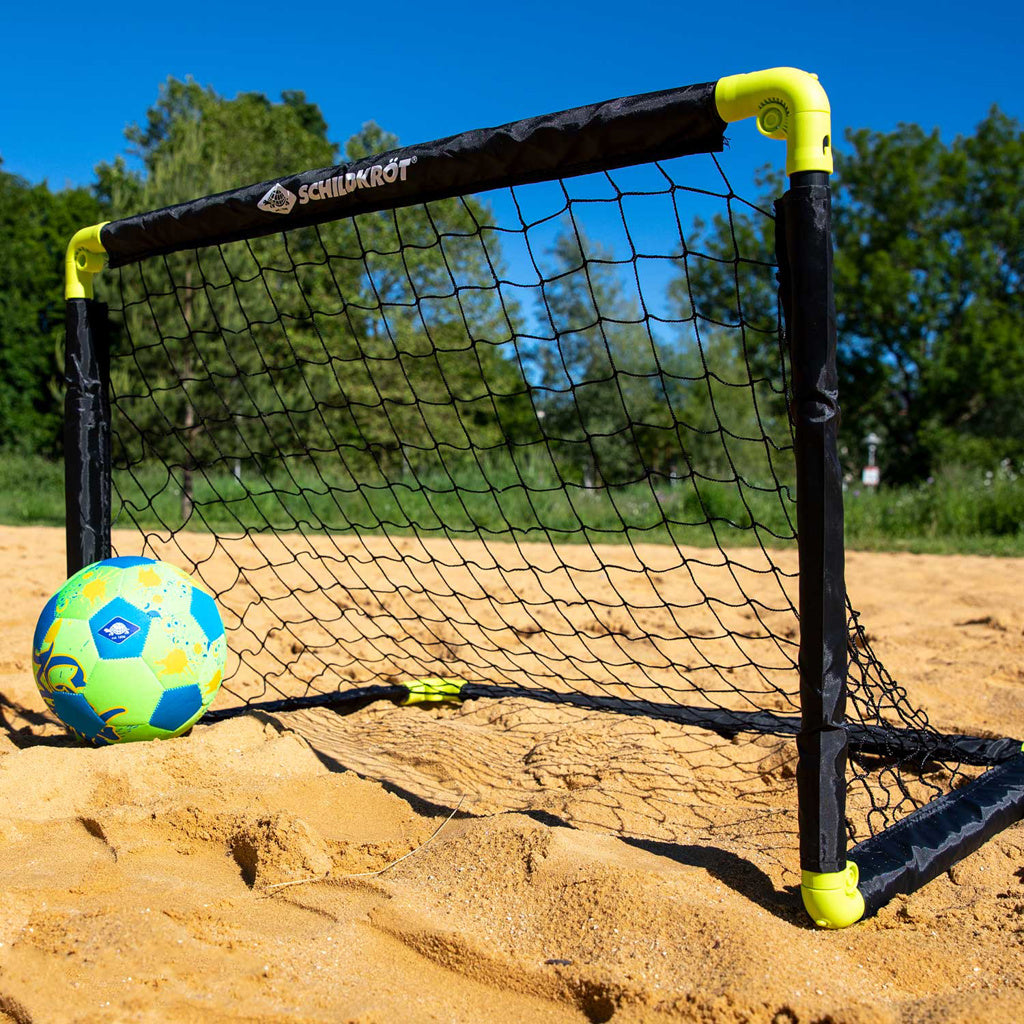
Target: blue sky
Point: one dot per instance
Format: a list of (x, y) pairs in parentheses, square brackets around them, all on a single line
[(72, 81)]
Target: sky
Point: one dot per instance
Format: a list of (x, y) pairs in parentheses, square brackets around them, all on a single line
[(74, 76)]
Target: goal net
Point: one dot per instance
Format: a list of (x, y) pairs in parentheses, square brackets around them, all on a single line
[(516, 414)]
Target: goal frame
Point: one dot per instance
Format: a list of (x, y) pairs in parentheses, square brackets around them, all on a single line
[(839, 886)]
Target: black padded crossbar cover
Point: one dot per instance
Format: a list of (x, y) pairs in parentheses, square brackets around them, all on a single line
[(598, 137)]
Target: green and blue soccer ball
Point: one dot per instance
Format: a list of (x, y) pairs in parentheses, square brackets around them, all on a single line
[(129, 649)]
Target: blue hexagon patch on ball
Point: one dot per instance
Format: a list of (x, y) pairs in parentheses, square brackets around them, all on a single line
[(176, 707), (119, 629), (204, 610)]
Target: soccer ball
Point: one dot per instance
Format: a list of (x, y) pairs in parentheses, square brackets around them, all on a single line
[(129, 649)]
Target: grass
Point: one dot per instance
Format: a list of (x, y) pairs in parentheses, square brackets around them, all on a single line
[(963, 511), (31, 491), (489, 500)]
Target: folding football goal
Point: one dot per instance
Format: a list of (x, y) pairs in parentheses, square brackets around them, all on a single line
[(497, 416)]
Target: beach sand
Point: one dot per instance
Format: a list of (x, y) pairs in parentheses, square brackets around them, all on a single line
[(499, 861)]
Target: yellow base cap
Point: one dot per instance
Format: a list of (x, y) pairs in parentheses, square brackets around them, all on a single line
[(832, 897)]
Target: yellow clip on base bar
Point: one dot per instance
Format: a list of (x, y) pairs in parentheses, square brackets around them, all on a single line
[(433, 691)]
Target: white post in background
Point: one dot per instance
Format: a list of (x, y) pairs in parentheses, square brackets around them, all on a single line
[(871, 473)]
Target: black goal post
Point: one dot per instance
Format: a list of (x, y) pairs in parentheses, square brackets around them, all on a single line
[(383, 349)]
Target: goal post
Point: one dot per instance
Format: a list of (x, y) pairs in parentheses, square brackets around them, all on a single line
[(360, 346)]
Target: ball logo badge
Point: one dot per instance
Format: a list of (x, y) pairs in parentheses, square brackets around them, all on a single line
[(118, 630)]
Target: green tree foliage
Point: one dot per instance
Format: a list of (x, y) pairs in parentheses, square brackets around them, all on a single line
[(928, 282), (36, 225), (380, 337), (192, 386), (384, 338), (599, 374), (427, 345), (730, 389), (928, 268), (195, 142), (728, 280), (701, 401)]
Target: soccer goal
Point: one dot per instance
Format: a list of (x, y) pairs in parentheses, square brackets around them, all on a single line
[(545, 410)]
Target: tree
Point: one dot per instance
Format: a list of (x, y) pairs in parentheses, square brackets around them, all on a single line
[(426, 343), (928, 273), (378, 338), (196, 142), (37, 225), (729, 376), (193, 389), (928, 268), (602, 373)]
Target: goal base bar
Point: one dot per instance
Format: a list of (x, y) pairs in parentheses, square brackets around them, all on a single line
[(919, 848), (888, 744)]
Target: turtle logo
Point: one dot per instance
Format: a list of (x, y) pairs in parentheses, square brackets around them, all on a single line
[(117, 630)]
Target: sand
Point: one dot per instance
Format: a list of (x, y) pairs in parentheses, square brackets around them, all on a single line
[(499, 861)]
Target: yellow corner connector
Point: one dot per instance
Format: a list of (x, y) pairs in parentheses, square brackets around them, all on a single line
[(788, 104), (433, 691), (85, 258), (832, 897)]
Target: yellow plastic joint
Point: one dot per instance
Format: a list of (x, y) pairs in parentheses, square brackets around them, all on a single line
[(832, 897), (788, 104), (85, 258), (433, 691)]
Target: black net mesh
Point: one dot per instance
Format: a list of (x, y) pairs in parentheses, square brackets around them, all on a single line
[(536, 441)]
